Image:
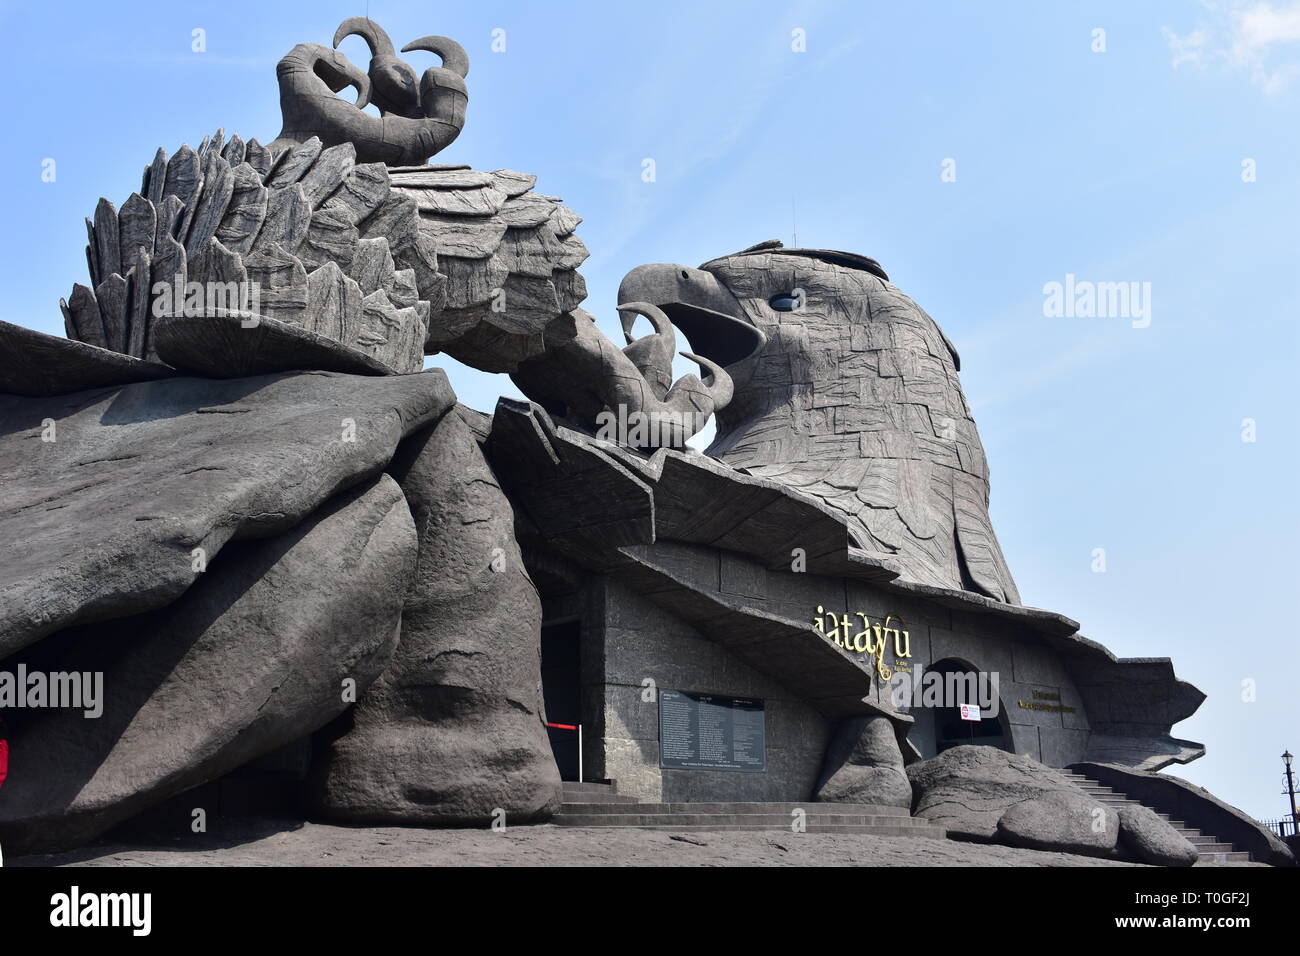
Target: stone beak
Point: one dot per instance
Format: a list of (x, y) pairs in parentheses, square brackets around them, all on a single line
[(697, 304)]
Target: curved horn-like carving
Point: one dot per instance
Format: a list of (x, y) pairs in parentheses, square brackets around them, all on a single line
[(309, 70), (332, 69), (652, 354), (690, 402), (395, 88), (368, 30), (454, 57), (628, 311), (588, 375), (718, 383), (442, 88)]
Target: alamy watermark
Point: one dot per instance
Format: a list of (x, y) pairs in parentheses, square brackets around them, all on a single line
[(133, 911), (637, 429), (77, 690), (1084, 299), (192, 299), (908, 689)]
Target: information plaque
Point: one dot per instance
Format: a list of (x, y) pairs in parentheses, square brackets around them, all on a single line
[(710, 732)]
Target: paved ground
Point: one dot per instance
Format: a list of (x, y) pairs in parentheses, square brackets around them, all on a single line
[(278, 843)]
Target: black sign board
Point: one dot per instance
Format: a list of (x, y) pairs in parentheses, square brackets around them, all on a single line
[(710, 732)]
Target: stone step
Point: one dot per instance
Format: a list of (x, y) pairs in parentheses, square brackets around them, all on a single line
[(600, 799), (1235, 856), (594, 792), (929, 832), (571, 811), (1102, 792), (590, 786), (1205, 849), (778, 820), (810, 807), (1208, 846)]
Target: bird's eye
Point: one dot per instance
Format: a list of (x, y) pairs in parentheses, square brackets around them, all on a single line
[(785, 302)]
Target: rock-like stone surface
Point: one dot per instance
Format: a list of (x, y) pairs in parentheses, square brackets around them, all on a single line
[(184, 177), (260, 842), (967, 790), (865, 765), (288, 216), (255, 655), (137, 223), (1132, 708), (1152, 840), (113, 295), (246, 212), (101, 516), (1062, 821), (81, 319), (107, 250), (454, 729), (33, 363), (218, 189), (236, 345)]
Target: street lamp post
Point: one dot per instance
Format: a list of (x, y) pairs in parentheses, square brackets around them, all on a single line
[(1290, 786)]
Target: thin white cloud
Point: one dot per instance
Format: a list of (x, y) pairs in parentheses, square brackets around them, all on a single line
[(1255, 36)]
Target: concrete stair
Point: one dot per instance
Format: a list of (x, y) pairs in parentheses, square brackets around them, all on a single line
[(601, 805), (1210, 847), (586, 794)]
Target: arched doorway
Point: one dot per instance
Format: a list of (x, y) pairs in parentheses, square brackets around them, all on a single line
[(938, 728)]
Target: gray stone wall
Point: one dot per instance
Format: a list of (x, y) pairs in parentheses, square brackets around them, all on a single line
[(1024, 664), (627, 638)]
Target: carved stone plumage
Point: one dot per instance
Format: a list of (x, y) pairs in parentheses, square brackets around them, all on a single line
[(457, 267), (852, 398)]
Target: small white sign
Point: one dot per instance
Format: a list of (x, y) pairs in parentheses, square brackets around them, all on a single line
[(970, 712)]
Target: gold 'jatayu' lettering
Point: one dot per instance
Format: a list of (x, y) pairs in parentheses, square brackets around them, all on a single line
[(871, 640)]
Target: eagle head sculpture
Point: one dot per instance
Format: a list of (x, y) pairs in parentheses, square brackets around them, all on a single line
[(847, 391)]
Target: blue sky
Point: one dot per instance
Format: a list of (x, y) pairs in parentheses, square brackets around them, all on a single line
[(1122, 165)]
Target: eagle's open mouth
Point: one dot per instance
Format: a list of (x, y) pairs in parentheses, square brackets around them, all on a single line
[(699, 306)]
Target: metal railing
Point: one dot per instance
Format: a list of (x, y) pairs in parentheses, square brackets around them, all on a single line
[(1283, 826)]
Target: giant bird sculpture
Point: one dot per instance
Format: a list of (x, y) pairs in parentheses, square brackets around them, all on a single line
[(823, 375), (168, 530)]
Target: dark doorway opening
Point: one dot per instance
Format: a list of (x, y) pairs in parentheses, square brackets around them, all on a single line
[(950, 730), (562, 693)]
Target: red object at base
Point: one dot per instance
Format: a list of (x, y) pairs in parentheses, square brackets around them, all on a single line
[(4, 761)]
